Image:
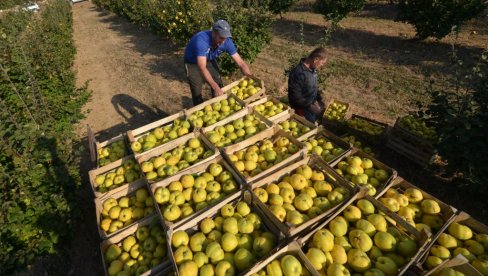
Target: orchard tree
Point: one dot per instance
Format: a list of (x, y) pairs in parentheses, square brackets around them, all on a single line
[(337, 10), (432, 18), (251, 29), (461, 120)]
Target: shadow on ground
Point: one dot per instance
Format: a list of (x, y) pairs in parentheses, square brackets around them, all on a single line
[(169, 61), (429, 56)]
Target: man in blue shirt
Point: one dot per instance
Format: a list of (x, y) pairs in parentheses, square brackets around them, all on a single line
[(201, 59)]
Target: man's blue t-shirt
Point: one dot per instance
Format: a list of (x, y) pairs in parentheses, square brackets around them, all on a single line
[(201, 45)]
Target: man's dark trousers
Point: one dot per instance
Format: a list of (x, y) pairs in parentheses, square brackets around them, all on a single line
[(196, 80)]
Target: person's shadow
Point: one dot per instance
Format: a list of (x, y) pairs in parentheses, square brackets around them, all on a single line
[(134, 112)]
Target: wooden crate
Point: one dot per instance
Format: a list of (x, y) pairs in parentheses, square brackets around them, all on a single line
[(392, 219), (273, 134), (399, 184), (188, 112), (331, 176), (377, 165), (135, 134), (192, 226), (405, 133), (117, 239), (94, 146), (333, 123), (418, 152), (300, 120), (252, 98), (363, 144), (376, 140), (171, 145), (461, 218), (110, 167), (195, 170), (459, 263), (286, 110), (336, 141), (293, 248), (248, 110), (128, 191)]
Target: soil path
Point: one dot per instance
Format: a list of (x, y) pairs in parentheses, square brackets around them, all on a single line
[(135, 76)]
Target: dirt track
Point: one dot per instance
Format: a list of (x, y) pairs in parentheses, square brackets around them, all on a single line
[(133, 73)]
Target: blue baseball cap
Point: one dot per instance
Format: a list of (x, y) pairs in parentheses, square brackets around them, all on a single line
[(222, 27)]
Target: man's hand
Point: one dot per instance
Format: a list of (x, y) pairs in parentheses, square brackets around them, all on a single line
[(316, 109), (218, 91)]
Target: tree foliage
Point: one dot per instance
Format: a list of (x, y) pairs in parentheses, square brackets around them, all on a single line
[(7, 4), (336, 10), (251, 29), (461, 121), (432, 18), (177, 20), (39, 106)]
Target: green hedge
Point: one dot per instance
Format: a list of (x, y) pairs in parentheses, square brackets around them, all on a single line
[(7, 4), (180, 20), (39, 106)]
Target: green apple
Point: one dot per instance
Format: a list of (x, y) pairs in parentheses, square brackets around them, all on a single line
[(430, 207), (407, 248), (207, 270), (172, 212), (197, 242), (338, 226), (352, 213), (460, 231), (474, 247), (224, 268), (112, 253), (358, 260), (243, 208), (200, 259), (278, 211), (227, 210), (317, 258), (230, 225), (207, 225), (262, 246), (183, 254), (360, 240), (274, 268), (433, 261), (261, 194), (303, 202), (229, 242), (385, 241), (214, 252), (115, 267), (291, 266), (338, 254), (414, 195), (336, 269), (188, 268), (440, 251), (180, 238), (245, 226), (378, 221), (323, 239), (447, 241), (245, 241), (387, 265)]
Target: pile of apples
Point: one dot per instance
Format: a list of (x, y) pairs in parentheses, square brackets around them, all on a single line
[(301, 196), (295, 128), (323, 148), (361, 171), (287, 265), (194, 192), (460, 239), (270, 109), (213, 113), (365, 126), (418, 127), (160, 136), (420, 212), (227, 244), (351, 139), (111, 153), (360, 240), (236, 131), (449, 271), (263, 155), (137, 253), (127, 173), (117, 214), (335, 112), (245, 89), (181, 157)]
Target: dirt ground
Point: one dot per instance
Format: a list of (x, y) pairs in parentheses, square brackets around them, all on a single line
[(137, 77)]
